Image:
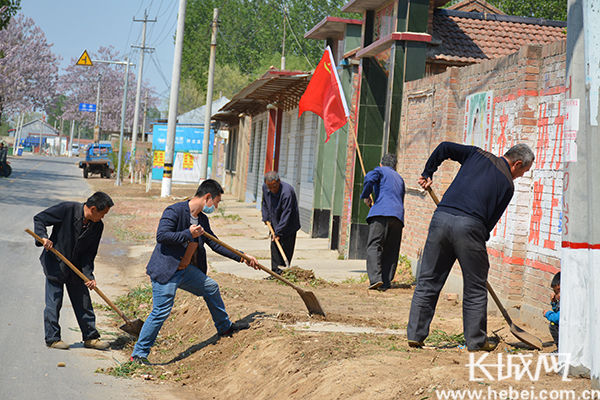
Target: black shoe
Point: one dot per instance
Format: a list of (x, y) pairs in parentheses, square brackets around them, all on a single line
[(415, 344), (236, 326), (139, 360), (376, 285)]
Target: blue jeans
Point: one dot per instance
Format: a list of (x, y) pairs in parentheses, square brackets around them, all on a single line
[(192, 280)]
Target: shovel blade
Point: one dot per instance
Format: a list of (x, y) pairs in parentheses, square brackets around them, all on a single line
[(526, 337), (311, 302), (133, 327)]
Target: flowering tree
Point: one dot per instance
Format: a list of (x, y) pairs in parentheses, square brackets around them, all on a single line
[(80, 84), (28, 68)]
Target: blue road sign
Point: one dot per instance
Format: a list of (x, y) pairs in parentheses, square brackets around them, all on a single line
[(87, 107)]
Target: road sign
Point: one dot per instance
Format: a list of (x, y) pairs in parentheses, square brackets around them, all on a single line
[(87, 107), (84, 59)]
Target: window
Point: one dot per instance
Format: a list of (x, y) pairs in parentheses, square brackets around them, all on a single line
[(252, 140), (232, 149)]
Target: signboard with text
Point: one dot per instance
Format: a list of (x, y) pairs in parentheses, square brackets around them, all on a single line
[(188, 151)]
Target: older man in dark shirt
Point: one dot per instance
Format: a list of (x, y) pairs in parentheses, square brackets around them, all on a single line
[(280, 208), (459, 228), (76, 232)]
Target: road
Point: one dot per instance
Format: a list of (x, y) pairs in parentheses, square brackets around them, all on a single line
[(29, 369)]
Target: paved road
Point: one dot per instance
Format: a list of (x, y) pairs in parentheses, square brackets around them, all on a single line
[(28, 368)]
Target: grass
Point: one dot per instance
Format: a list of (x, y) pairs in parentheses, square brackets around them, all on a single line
[(351, 281), (126, 370), (439, 338), (232, 217), (297, 275), (130, 303)]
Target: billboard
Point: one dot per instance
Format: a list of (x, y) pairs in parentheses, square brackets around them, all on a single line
[(188, 151)]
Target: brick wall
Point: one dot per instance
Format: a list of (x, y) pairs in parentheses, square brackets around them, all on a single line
[(526, 94)]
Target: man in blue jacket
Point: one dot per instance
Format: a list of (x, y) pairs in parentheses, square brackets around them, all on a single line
[(183, 224), (386, 221), (459, 228), (280, 208), (76, 232)]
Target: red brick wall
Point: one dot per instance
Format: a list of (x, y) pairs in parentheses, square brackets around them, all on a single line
[(528, 93)]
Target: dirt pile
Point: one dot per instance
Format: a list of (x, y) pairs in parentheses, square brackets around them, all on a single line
[(272, 360)]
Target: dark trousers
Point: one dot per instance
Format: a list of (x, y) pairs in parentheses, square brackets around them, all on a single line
[(383, 247), (450, 238), (554, 332), (287, 243), (79, 295)]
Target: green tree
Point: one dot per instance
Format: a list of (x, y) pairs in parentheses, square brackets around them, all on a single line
[(547, 9), (251, 33), (8, 8), (229, 80)]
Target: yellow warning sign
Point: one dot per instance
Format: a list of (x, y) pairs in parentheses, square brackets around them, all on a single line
[(85, 59)]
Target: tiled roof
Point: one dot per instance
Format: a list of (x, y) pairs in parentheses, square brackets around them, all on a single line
[(469, 37), (476, 6)]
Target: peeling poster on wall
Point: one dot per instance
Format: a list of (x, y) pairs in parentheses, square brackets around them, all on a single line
[(478, 118), (571, 128)]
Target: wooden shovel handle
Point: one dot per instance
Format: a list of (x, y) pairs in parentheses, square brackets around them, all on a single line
[(287, 263), (245, 257), (81, 275)]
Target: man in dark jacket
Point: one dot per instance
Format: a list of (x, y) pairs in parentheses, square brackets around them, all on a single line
[(280, 208), (181, 225), (386, 221), (459, 228), (76, 232)]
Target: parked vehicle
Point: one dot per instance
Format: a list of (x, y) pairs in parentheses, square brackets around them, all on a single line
[(97, 160), (75, 149)]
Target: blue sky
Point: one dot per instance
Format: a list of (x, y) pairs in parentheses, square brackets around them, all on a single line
[(73, 26)]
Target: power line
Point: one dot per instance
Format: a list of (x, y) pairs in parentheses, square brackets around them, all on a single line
[(159, 69)]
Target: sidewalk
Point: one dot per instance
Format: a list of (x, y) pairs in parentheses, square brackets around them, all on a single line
[(310, 254)]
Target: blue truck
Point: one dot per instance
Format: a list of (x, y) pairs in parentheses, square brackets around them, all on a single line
[(97, 160)]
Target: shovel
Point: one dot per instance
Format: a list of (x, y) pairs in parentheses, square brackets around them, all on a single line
[(309, 298), (287, 263), (517, 331), (132, 327)]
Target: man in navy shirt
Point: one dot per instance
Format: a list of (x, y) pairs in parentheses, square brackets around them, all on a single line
[(386, 221), (459, 228), (280, 208)]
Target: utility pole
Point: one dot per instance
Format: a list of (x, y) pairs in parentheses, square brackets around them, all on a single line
[(579, 342), (136, 112), (97, 120), (173, 98), (209, 95), (283, 41), (71, 138), (123, 109), (144, 117)]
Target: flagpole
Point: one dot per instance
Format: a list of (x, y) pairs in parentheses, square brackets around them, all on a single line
[(360, 159)]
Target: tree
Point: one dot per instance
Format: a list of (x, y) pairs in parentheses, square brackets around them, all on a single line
[(8, 9), (547, 9), (28, 68), (251, 32), (79, 85)]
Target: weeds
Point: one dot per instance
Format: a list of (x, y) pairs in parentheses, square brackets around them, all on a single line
[(439, 338), (232, 217), (126, 370), (352, 281), (137, 302)]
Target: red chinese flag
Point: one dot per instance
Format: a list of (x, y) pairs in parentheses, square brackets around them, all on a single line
[(324, 95)]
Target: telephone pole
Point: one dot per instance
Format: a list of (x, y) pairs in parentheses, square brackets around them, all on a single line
[(136, 112), (209, 95), (173, 98)]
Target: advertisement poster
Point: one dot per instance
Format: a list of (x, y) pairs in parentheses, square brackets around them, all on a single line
[(478, 118), (188, 151)]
